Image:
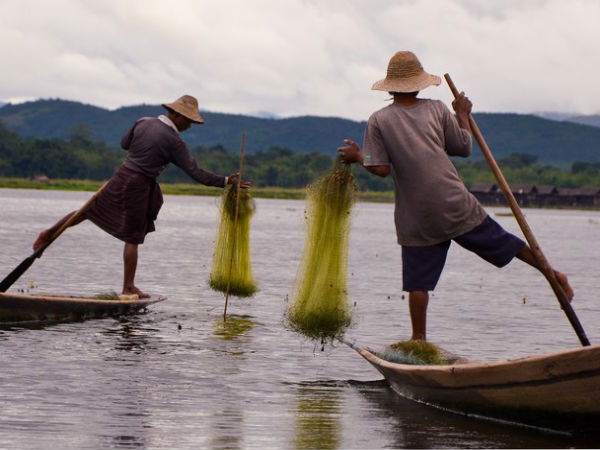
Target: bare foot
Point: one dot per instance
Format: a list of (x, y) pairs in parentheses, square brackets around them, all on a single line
[(42, 238), (564, 283), (135, 290)]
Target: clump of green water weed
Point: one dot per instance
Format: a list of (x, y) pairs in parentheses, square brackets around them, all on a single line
[(415, 352), (320, 306), (232, 248), (112, 295)]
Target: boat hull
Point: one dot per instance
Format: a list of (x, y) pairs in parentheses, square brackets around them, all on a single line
[(559, 389), (27, 308)]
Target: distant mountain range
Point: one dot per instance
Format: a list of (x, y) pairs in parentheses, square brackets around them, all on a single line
[(592, 120), (554, 139)]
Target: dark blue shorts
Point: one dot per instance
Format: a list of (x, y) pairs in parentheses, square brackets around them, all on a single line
[(423, 265)]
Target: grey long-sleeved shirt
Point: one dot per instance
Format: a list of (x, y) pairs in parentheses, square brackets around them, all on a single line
[(432, 203), (152, 144)]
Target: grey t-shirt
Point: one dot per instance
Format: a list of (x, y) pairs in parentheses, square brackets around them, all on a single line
[(432, 203)]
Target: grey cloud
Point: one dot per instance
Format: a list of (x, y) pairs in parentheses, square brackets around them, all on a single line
[(299, 57)]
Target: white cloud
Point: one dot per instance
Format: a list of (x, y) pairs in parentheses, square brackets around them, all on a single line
[(299, 56)]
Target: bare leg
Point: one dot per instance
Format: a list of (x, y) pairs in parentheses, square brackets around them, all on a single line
[(130, 258), (417, 302), (46, 235), (527, 256)]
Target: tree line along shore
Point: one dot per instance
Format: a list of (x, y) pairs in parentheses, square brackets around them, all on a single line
[(45, 183), (278, 172), (489, 194)]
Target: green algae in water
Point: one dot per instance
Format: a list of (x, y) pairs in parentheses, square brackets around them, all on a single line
[(320, 306), (415, 352), (234, 241)]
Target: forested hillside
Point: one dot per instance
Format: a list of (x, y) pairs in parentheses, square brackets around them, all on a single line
[(56, 119), (552, 142), (80, 157)]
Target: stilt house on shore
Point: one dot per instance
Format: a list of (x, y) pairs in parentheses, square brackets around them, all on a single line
[(538, 195)]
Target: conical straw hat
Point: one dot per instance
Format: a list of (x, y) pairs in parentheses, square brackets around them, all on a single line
[(187, 106), (405, 74)]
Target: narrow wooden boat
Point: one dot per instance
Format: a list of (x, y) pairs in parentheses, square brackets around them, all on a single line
[(558, 390), (29, 308)]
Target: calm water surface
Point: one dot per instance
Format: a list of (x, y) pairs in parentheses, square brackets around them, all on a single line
[(175, 377)]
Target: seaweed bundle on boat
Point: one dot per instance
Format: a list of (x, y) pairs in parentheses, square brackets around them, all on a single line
[(231, 260), (112, 295), (320, 306), (414, 352)]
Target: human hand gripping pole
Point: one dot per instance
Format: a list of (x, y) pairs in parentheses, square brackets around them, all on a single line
[(545, 267), (12, 277)]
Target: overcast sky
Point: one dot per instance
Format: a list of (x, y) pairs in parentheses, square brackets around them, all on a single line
[(297, 57)]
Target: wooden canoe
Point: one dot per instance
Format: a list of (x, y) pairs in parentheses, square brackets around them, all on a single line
[(29, 308), (558, 390)]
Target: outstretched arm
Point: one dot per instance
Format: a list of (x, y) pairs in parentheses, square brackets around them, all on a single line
[(351, 154)]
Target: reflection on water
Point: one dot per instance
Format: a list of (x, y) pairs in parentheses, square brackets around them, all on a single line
[(318, 411), (415, 425), (126, 442), (6, 330), (228, 429), (233, 327), (131, 334), (228, 436), (178, 376)]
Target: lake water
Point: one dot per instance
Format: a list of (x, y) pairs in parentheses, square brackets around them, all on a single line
[(173, 377)]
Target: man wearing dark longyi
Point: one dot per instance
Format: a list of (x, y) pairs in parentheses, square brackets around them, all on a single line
[(129, 203)]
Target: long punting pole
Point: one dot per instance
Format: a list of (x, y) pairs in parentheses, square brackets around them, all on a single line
[(235, 221), (533, 244), (12, 277)]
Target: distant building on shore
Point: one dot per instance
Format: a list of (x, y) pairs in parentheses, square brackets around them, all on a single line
[(538, 195), (40, 179)]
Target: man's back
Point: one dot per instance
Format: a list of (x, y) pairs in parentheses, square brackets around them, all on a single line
[(432, 202)]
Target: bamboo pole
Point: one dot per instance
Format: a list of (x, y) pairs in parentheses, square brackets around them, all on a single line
[(543, 263), (12, 277), (235, 221)]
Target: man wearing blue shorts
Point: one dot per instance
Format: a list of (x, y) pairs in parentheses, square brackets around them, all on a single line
[(433, 207)]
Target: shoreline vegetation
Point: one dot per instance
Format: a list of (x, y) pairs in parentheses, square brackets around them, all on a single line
[(257, 192), (182, 189)]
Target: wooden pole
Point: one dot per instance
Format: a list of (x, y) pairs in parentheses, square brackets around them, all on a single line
[(545, 267), (12, 277), (235, 221)]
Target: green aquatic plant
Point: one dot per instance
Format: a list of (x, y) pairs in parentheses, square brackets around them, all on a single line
[(320, 306), (231, 260), (414, 352), (108, 296)]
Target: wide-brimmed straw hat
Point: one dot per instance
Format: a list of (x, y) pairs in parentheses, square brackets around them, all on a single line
[(187, 106), (405, 74)]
